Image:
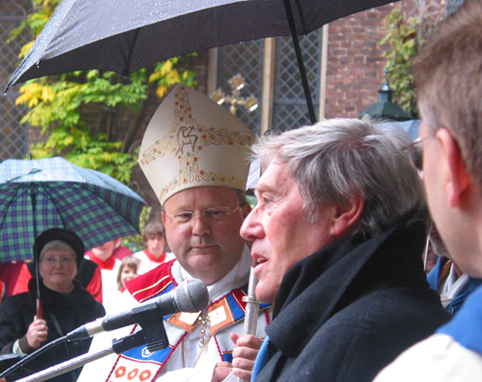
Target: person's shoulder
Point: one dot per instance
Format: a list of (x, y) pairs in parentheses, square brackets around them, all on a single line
[(86, 301), (99, 310), (438, 358), (151, 283), (410, 304), (16, 306), (16, 299), (389, 315), (141, 255), (120, 252)]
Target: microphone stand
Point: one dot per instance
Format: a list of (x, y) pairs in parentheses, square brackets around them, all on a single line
[(66, 366), (252, 306), (118, 346)]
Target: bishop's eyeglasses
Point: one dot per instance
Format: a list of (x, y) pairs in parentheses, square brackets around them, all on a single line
[(215, 214)]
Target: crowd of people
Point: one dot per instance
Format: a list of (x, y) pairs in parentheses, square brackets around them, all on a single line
[(337, 244), (76, 287)]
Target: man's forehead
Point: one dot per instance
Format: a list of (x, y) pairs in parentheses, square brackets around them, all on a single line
[(211, 195), (274, 179)]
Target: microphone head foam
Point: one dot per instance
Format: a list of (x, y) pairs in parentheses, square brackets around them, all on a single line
[(192, 296)]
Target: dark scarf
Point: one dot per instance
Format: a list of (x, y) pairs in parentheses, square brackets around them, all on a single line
[(338, 274)]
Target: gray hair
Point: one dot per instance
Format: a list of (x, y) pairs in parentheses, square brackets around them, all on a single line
[(57, 244), (335, 160)]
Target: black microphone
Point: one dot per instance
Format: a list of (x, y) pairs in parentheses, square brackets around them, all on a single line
[(189, 296)]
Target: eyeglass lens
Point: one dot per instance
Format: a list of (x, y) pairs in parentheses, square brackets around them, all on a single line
[(416, 154)]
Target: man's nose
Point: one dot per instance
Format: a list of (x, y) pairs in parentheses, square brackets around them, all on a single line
[(251, 227), (200, 226)]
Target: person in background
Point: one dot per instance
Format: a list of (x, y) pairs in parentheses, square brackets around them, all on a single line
[(154, 237), (453, 285), (448, 74), (120, 251), (199, 177), (88, 275), (3, 291), (337, 234), (429, 258), (109, 267), (127, 271), (13, 274), (66, 306)]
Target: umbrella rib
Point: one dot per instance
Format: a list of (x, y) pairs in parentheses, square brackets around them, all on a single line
[(128, 64), (301, 65), (54, 204)]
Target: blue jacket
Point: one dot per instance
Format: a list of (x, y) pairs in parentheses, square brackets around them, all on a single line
[(456, 303)]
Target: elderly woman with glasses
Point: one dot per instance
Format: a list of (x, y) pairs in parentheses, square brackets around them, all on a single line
[(66, 306)]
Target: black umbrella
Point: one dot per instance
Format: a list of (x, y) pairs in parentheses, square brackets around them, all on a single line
[(126, 35)]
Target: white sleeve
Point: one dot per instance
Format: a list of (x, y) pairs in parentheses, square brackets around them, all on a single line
[(438, 358), (100, 369), (202, 373)]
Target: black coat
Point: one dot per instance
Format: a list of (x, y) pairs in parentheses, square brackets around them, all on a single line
[(61, 312), (346, 311)]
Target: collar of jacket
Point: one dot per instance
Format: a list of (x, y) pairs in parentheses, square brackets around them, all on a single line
[(49, 296), (315, 288)]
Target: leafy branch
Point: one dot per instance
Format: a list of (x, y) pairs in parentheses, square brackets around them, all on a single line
[(407, 29), (58, 106)]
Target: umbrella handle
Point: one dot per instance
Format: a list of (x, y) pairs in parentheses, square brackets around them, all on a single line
[(40, 311)]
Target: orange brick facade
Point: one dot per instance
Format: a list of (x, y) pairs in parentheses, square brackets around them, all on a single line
[(355, 68)]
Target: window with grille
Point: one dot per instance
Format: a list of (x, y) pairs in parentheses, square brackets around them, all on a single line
[(13, 135), (276, 81)]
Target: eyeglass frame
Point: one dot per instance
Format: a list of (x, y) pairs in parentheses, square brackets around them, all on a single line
[(203, 215), (65, 261), (415, 152)]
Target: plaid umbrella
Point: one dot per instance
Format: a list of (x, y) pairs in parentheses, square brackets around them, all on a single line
[(36, 195)]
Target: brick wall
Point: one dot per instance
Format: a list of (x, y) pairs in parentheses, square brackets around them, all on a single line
[(355, 68)]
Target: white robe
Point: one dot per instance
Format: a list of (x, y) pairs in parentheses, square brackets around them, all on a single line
[(203, 357)]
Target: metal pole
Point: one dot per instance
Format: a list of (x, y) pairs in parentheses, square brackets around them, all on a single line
[(66, 366), (301, 65), (118, 346), (33, 199), (252, 306)]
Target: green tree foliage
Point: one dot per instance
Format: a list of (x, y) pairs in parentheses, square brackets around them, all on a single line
[(407, 28), (404, 42), (58, 106)]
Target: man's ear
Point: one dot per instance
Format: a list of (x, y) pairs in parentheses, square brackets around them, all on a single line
[(345, 217), (458, 181), (164, 219)]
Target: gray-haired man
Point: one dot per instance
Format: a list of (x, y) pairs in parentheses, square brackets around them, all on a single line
[(338, 234)]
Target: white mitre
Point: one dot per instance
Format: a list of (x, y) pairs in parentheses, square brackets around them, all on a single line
[(191, 141)]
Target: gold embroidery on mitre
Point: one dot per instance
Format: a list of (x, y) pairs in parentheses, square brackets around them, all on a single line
[(186, 139)]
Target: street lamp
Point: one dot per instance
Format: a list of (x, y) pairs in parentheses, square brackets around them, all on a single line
[(385, 108)]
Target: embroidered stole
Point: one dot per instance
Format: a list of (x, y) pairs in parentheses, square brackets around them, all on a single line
[(141, 364)]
